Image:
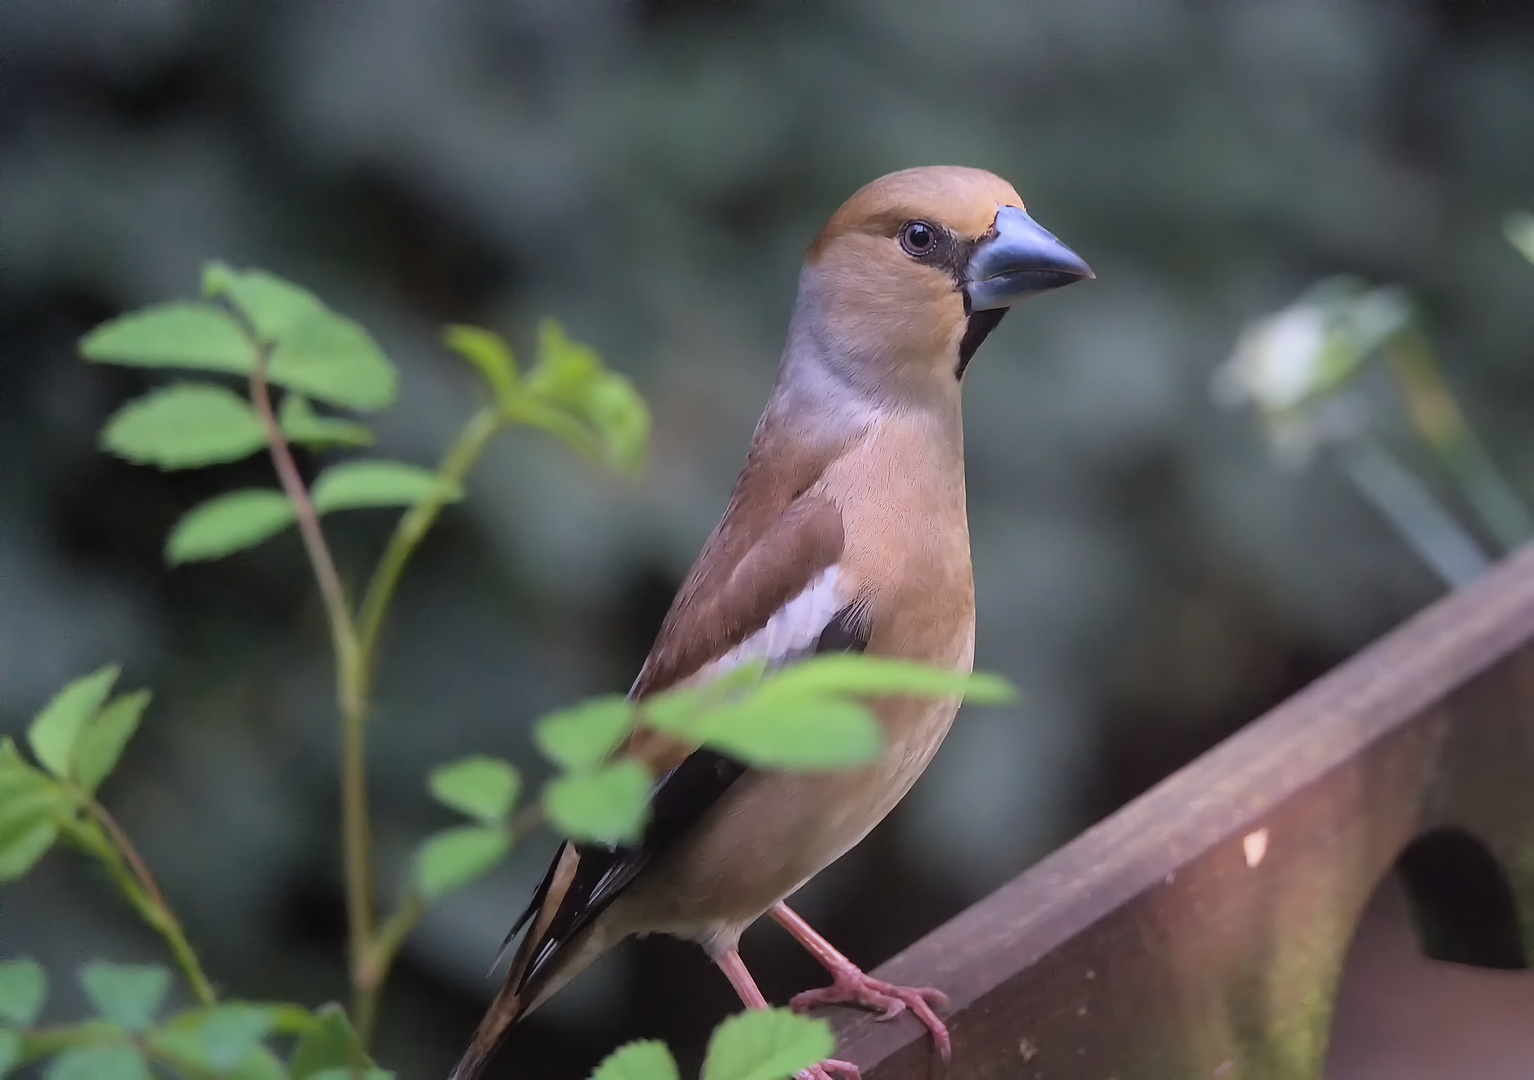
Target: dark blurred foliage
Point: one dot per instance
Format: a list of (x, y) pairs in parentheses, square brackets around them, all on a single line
[(651, 174)]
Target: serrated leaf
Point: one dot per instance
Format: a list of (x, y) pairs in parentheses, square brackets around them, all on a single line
[(99, 1063), (572, 396), (805, 735), (23, 991), (583, 736), (10, 1051), (183, 1039), (184, 426), (301, 424), (333, 359), (481, 787), (180, 334), (856, 675), (55, 730), (20, 849), (490, 353), (231, 1032), (1518, 227), (609, 805), (329, 1044), (105, 737), (355, 484), (129, 994), (646, 1059), (678, 711), (454, 857), (766, 1044), (32, 807), (269, 303), (228, 523)]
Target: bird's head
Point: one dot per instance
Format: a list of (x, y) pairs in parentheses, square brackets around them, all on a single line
[(914, 270)]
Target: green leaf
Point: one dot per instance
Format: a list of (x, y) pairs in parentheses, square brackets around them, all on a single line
[(454, 857), (572, 396), (1518, 227), (766, 1044), (228, 523), (355, 484), (183, 1039), (301, 424), (105, 737), (271, 304), (99, 1063), (231, 1032), (610, 805), (20, 850), (647, 1059), (184, 426), (56, 729), (481, 787), (32, 807), (350, 1074), (490, 353), (804, 735), (856, 675), (10, 1051), (23, 991), (333, 359), (129, 994), (184, 335), (583, 736), (329, 1044)]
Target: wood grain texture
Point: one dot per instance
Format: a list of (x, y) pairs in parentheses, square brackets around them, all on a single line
[(1152, 947)]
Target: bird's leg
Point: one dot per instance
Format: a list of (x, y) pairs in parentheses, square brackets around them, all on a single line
[(734, 969), (850, 985)]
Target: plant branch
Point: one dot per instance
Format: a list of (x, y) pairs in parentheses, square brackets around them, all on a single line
[(375, 969), (1441, 423), (414, 524), (350, 683), (110, 844), (342, 631)]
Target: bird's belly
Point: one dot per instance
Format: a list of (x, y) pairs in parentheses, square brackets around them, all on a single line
[(773, 831)]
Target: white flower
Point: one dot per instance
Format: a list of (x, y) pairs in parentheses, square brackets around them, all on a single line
[(1295, 366)]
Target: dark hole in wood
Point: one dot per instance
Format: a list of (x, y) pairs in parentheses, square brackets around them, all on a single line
[(1461, 902)]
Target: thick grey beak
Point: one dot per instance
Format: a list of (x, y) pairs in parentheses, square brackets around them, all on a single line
[(1020, 260)]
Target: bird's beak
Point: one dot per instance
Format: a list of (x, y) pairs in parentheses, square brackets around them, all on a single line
[(1020, 258)]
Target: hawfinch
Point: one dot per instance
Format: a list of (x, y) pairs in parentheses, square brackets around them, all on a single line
[(846, 531)]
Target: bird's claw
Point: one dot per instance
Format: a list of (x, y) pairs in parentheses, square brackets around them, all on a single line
[(887, 999), (846, 1069)]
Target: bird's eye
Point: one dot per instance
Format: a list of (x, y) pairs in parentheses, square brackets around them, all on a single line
[(918, 238)]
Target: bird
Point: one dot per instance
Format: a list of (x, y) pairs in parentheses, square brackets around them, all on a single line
[(847, 531)]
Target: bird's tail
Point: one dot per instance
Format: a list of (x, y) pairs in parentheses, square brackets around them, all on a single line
[(508, 1005), (558, 945)]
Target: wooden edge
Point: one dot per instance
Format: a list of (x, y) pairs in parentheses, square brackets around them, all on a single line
[(1375, 694)]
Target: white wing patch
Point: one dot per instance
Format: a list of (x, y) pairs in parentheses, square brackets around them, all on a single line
[(793, 629)]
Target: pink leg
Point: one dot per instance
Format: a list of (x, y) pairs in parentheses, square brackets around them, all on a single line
[(734, 969), (851, 986)]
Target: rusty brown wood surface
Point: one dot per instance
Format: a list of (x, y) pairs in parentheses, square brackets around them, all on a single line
[(1201, 930)]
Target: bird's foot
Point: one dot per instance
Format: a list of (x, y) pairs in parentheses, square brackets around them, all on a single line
[(845, 1069), (887, 999)]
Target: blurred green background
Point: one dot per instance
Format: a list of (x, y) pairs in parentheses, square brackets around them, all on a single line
[(650, 174)]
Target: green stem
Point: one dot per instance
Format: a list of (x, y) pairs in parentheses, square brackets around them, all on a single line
[(110, 844), (351, 680), (1441, 423), (415, 522), (372, 963), (386, 946)]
